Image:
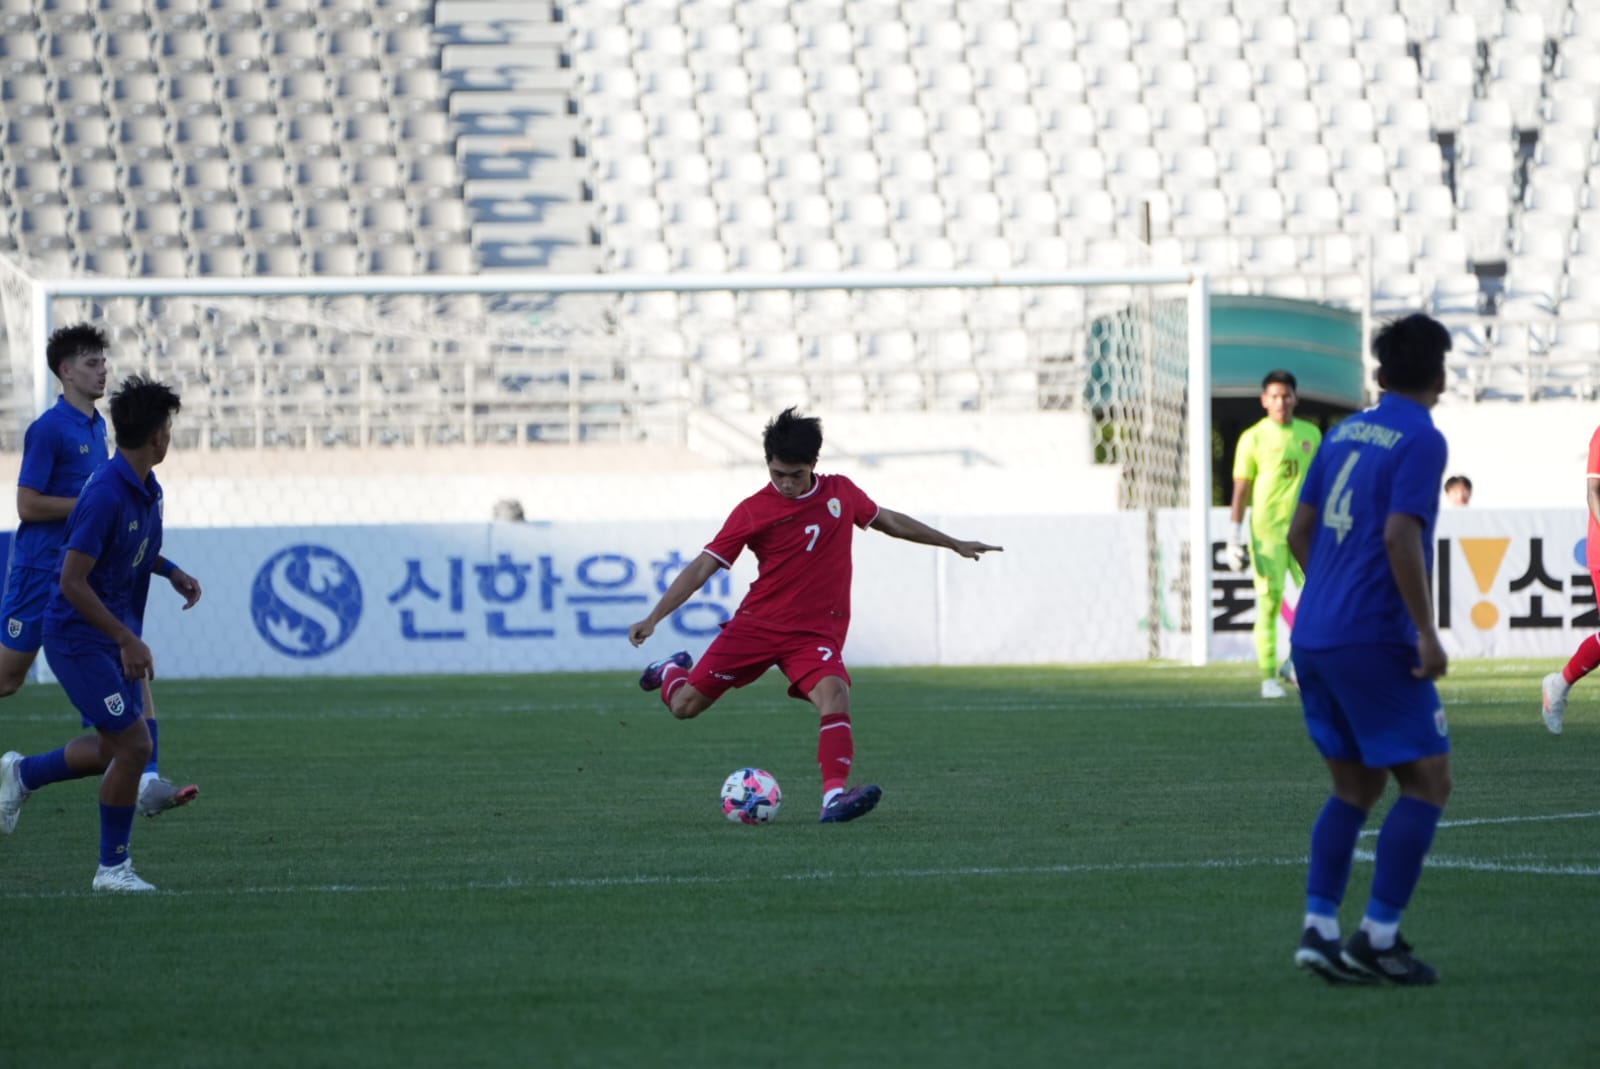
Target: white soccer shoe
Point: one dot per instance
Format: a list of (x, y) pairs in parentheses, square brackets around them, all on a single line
[(11, 793), (1556, 688), (120, 878), (1271, 688)]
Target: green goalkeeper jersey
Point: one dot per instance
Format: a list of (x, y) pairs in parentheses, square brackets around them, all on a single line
[(1275, 459)]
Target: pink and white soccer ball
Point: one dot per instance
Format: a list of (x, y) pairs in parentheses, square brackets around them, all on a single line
[(751, 796)]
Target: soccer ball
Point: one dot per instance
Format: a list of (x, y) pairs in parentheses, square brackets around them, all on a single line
[(751, 796)]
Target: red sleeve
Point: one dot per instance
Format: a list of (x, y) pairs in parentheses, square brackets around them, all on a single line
[(1594, 455), (734, 536), (863, 509)]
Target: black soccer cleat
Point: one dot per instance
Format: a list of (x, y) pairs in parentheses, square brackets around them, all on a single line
[(651, 678), (856, 802), (1321, 956), (1396, 965)]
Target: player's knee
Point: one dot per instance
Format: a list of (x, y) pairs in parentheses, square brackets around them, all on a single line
[(688, 704), (133, 745), (1427, 781), (139, 747), (9, 685)]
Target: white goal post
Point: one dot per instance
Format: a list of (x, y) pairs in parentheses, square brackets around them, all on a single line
[(500, 359)]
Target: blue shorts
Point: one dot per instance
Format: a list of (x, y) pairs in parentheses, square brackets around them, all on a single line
[(28, 591), (95, 684), (1362, 704)]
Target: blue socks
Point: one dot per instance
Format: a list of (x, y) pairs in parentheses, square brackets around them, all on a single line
[(1333, 847), (45, 769), (1403, 842), (155, 748), (116, 828)]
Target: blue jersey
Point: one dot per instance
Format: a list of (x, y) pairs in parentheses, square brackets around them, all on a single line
[(117, 521), (1388, 459), (61, 449)]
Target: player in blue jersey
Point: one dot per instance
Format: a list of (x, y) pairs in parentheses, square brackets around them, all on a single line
[(92, 629), (60, 450), (1367, 652)]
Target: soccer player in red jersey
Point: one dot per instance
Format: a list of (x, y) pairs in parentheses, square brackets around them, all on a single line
[(797, 611), (1558, 685)]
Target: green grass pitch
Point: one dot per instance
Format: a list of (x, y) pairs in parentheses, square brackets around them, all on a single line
[(1070, 866)]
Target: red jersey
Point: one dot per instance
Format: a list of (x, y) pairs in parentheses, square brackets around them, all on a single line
[(802, 548), (1592, 547)]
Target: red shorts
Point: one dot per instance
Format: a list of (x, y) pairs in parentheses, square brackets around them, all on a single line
[(744, 651)]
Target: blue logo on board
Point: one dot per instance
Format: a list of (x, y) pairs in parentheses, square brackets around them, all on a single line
[(306, 601)]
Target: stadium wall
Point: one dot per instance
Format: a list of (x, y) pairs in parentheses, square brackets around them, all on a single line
[(1521, 455), (965, 465), (559, 596)]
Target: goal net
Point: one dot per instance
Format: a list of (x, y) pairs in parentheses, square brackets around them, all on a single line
[(364, 379)]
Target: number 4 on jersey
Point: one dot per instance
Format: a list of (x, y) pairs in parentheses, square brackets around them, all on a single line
[(1336, 511)]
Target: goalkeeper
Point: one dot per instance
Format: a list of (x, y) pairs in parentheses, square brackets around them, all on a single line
[(1269, 466)]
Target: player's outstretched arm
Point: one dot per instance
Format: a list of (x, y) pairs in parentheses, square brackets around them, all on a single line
[(899, 525), (681, 590)]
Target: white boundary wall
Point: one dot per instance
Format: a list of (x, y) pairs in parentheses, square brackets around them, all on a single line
[(1520, 455), (508, 597)]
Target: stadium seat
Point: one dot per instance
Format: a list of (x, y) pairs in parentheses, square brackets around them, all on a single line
[(1581, 287), (450, 258), (1315, 210), (1202, 211), (1258, 211), (1445, 250), (1551, 195)]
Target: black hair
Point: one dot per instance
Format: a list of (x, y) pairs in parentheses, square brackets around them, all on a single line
[(1458, 480), (74, 341), (1410, 351), (793, 438), (1281, 377), (139, 408)]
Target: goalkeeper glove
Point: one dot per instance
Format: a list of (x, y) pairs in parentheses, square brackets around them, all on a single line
[(1235, 552)]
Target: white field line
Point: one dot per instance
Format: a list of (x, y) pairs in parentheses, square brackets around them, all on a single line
[(1435, 861), (1478, 821), (585, 883)]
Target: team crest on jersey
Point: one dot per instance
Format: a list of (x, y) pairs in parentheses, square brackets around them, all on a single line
[(14, 627), (1305, 447), (1439, 722), (114, 704), (834, 508)]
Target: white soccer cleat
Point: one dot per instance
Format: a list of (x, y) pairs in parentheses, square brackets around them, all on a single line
[(1271, 688), (1556, 688), (120, 878), (11, 793)]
